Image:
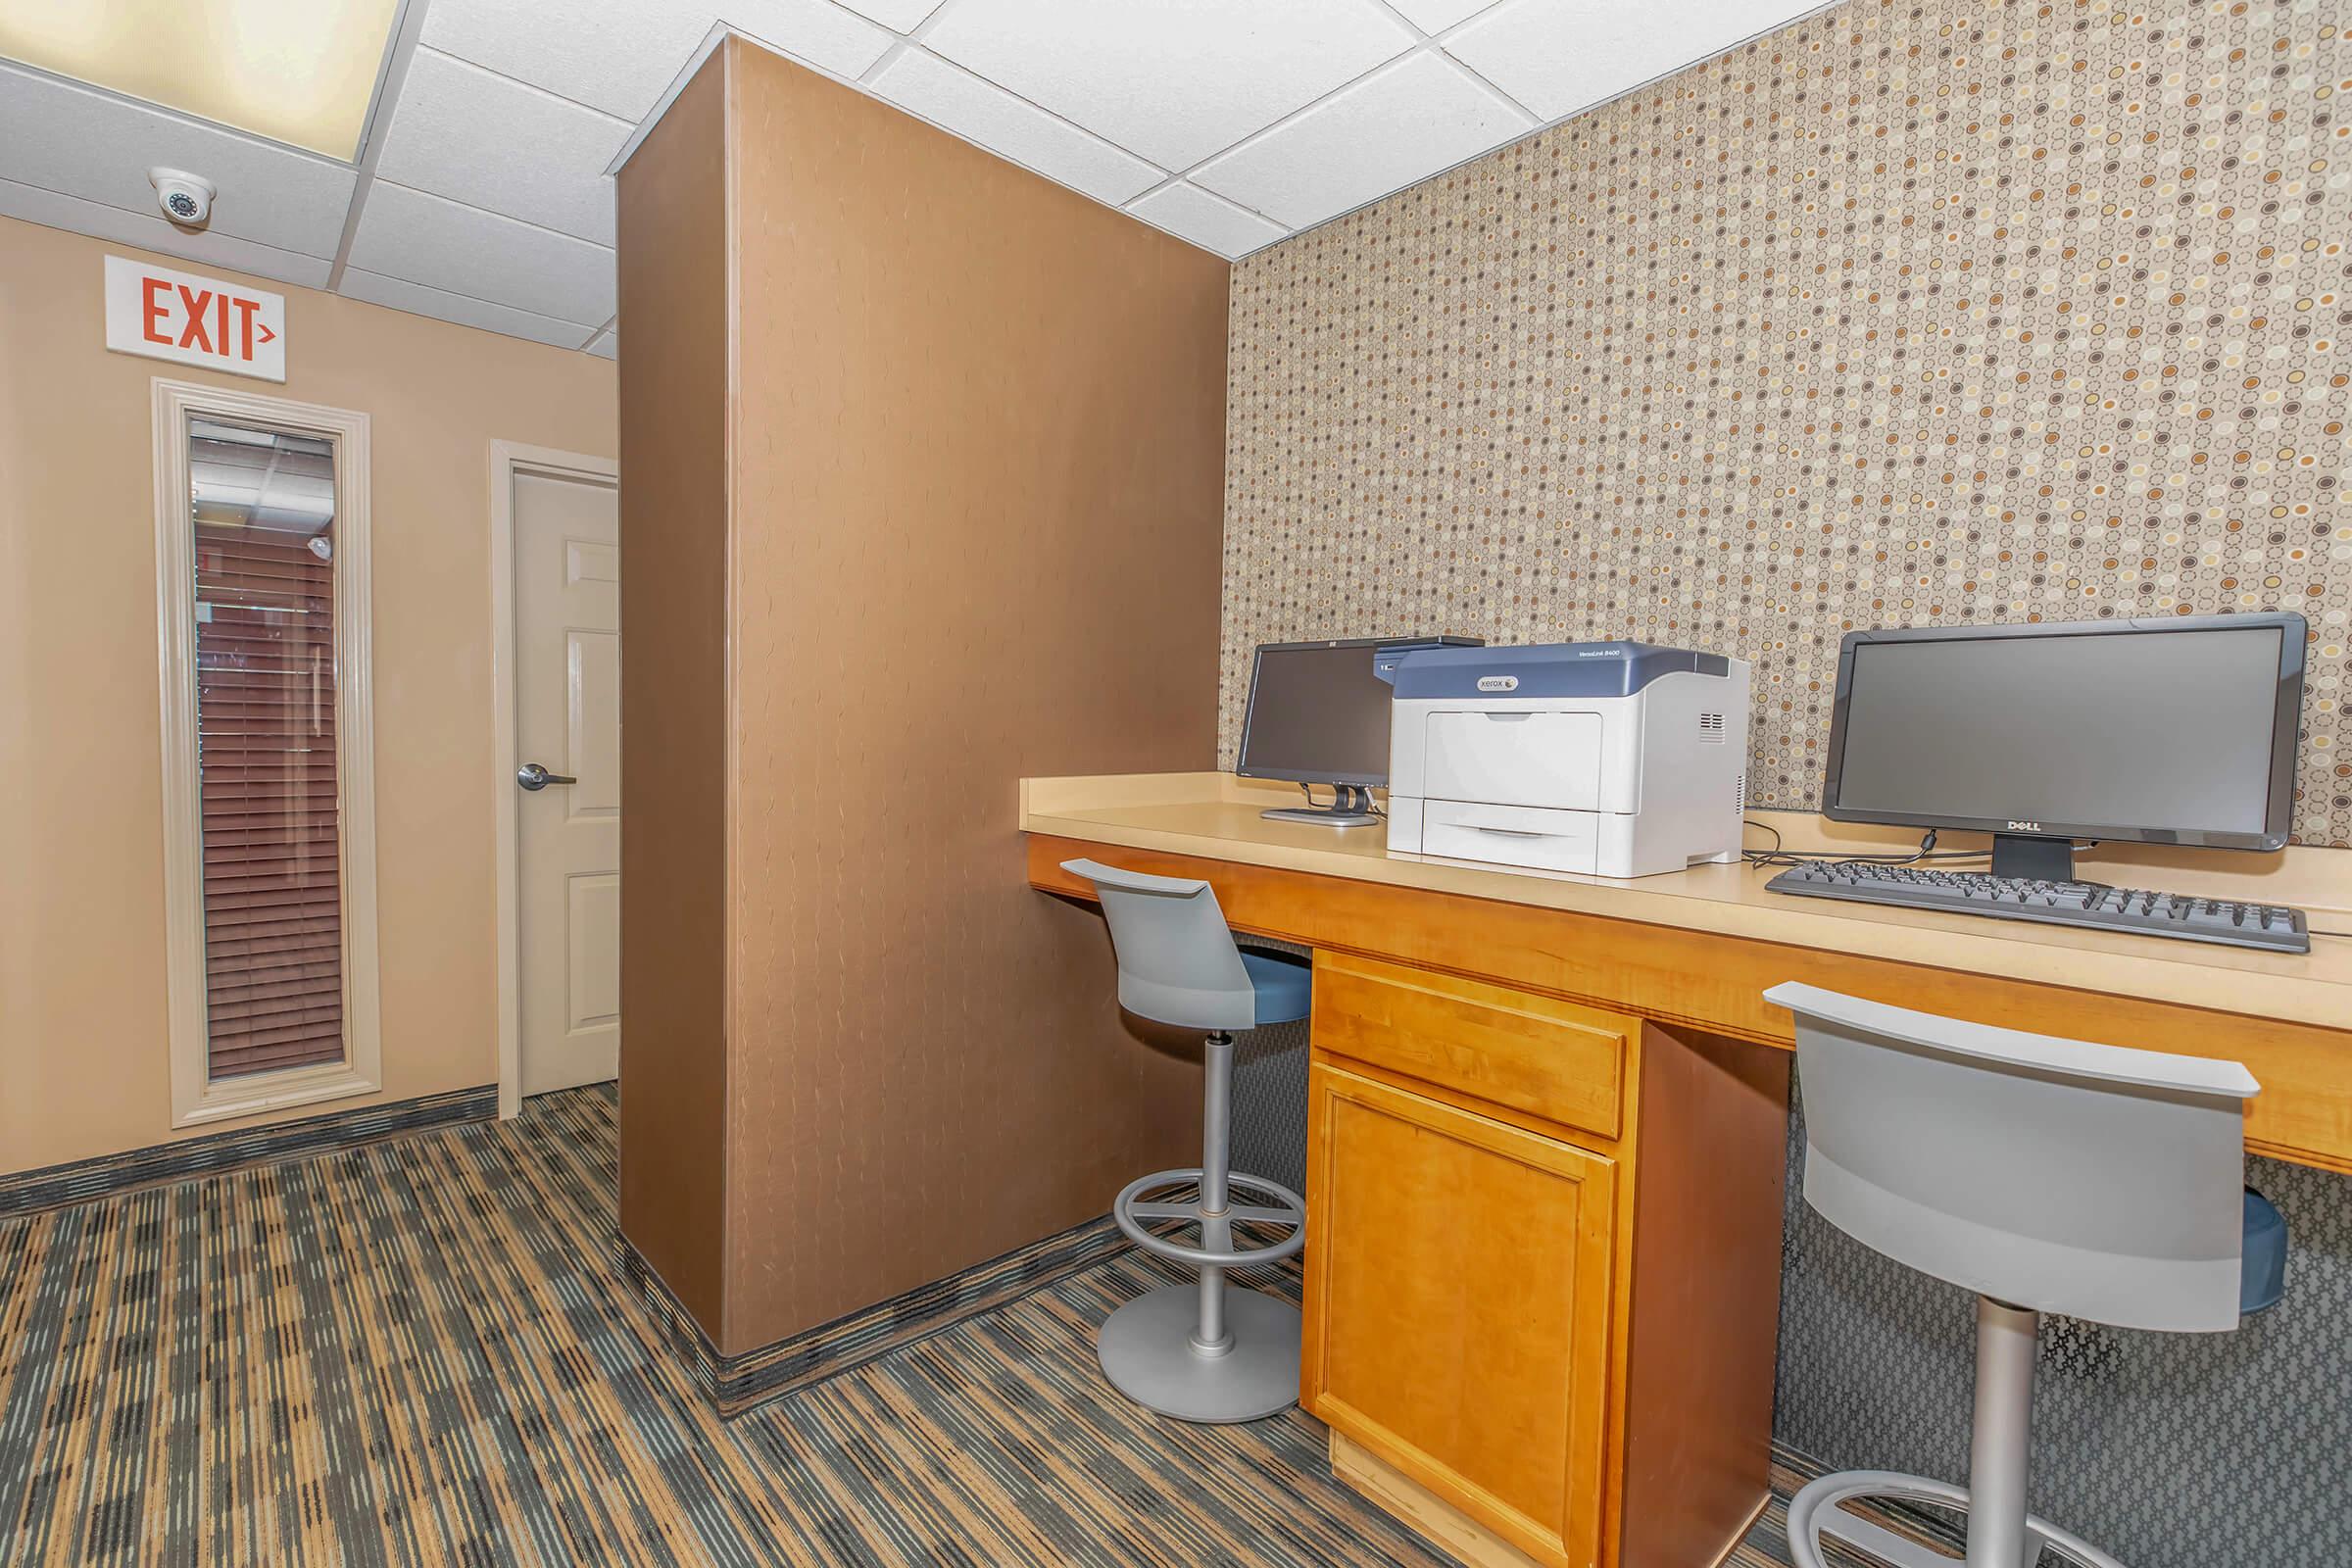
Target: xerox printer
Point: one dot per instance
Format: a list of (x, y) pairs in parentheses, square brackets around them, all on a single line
[(1617, 759)]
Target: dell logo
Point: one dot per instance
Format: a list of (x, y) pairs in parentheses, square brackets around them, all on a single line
[(1498, 683), (2025, 827)]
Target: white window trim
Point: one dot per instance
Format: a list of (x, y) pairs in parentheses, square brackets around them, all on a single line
[(195, 1097)]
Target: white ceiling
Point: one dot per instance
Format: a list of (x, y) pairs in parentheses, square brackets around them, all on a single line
[(480, 194)]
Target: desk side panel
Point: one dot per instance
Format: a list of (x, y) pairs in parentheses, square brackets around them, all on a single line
[(1703, 1327)]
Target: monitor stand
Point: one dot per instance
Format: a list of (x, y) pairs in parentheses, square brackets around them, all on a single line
[(1350, 806), (2036, 857)]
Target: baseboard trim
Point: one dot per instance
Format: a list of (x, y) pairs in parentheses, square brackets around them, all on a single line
[(1470, 1542), (735, 1383), (1406, 1501), (82, 1181)]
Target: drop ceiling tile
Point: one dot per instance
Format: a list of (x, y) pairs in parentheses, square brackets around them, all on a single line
[(924, 84), (1406, 122), (620, 56), (904, 16), (1559, 56), (491, 142), (64, 138), (426, 240), (609, 55), (606, 344), (1436, 15), (419, 300), (1173, 83), (149, 232), (1208, 221), (822, 34)]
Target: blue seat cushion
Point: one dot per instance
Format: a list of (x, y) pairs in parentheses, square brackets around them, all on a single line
[(1284, 985), (2262, 1270)]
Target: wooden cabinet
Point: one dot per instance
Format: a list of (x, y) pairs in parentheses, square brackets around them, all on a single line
[(1542, 1268), (1459, 1288)]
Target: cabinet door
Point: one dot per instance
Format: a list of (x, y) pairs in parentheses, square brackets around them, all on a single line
[(1457, 1306)]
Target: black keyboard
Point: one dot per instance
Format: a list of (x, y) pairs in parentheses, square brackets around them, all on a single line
[(2091, 903)]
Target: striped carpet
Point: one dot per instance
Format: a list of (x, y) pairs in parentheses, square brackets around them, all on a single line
[(422, 1351)]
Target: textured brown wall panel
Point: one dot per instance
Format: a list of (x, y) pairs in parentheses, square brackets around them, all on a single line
[(674, 543), (1904, 315), (978, 510)]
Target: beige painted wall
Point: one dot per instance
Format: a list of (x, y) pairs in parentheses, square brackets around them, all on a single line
[(82, 1036)]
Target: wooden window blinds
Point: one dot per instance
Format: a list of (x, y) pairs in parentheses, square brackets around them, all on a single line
[(264, 607)]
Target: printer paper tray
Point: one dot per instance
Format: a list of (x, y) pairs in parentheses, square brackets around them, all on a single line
[(1535, 836), (1549, 761)]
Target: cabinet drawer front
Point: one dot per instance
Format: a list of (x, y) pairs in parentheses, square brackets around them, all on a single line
[(1553, 1059), (1458, 1294)]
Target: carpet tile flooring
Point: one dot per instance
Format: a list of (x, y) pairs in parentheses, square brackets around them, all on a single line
[(424, 1351)]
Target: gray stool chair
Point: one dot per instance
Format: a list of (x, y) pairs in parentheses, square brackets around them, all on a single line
[(2047, 1175), (1201, 1353)]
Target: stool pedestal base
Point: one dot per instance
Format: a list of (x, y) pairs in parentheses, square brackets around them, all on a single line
[(1815, 1514), (2001, 1534), (1147, 1352)]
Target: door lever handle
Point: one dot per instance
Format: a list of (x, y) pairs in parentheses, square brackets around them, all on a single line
[(535, 776)]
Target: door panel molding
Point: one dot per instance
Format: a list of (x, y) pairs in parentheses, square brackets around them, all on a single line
[(591, 999), (509, 461)]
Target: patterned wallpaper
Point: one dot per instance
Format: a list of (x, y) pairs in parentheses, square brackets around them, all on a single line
[(1907, 313)]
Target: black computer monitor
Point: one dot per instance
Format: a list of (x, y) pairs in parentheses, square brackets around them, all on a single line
[(2166, 731), (1318, 713)]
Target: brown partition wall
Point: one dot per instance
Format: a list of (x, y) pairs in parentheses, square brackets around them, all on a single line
[(922, 494), (674, 401)]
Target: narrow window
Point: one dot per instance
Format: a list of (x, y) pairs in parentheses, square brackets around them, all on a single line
[(269, 854), (264, 509)]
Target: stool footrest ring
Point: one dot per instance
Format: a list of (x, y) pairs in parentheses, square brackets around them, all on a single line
[(1814, 1512), (1287, 1209)]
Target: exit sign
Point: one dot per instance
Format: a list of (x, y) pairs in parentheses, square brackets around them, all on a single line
[(188, 320)]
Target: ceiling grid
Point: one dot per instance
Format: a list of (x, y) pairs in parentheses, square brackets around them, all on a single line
[(482, 195)]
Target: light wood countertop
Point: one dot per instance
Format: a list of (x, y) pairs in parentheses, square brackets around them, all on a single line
[(1215, 817)]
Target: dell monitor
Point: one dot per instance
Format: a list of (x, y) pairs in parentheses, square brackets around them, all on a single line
[(2178, 730), (1318, 713)]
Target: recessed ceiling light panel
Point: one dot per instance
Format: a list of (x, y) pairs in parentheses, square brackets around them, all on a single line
[(300, 71)]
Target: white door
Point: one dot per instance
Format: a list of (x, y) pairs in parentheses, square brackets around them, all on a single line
[(567, 807)]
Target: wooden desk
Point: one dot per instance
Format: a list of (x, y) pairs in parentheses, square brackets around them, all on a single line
[(1545, 1163)]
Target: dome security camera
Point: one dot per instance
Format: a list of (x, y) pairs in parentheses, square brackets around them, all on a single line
[(187, 199)]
